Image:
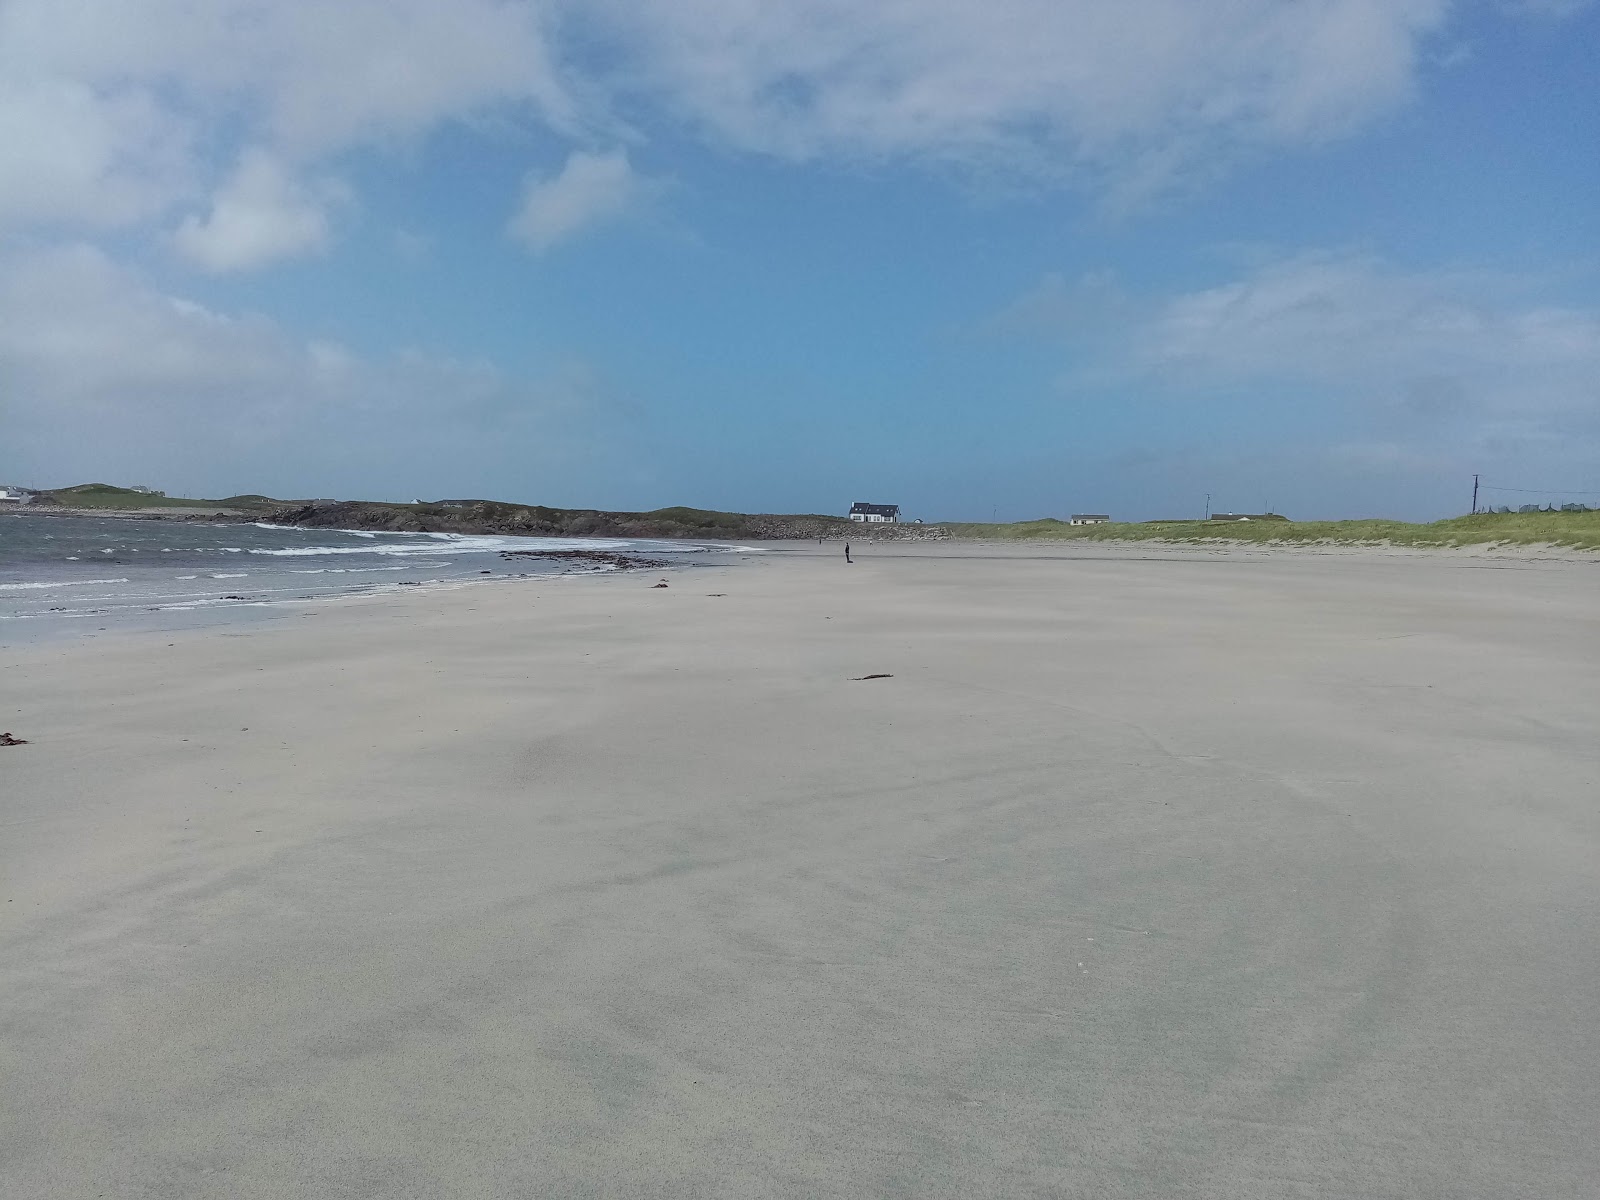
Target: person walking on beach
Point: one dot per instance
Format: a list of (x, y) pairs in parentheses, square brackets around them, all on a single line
[(847, 552)]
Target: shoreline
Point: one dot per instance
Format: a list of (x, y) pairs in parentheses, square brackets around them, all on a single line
[(1485, 548), (71, 577), (249, 611), (174, 513)]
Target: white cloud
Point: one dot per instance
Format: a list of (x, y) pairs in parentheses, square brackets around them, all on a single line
[(1358, 323), (103, 376), (589, 190), (1140, 88), (1405, 367), (72, 155), (115, 114), (112, 114), (258, 216)]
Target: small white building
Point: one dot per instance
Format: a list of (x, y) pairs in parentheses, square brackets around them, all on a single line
[(1088, 519), (874, 513), (15, 495)]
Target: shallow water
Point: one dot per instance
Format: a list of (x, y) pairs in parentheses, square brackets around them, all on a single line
[(64, 572)]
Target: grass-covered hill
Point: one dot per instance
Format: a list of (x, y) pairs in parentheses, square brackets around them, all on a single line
[(111, 498), (1573, 529)]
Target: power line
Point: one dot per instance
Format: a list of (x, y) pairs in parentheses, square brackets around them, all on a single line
[(1489, 487)]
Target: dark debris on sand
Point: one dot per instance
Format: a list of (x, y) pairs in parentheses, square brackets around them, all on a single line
[(600, 558)]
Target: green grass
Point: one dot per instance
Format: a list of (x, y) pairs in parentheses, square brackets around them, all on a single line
[(1577, 530), (107, 496), (698, 518), (248, 500), (707, 519)]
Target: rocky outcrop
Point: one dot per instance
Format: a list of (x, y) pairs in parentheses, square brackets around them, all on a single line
[(594, 558)]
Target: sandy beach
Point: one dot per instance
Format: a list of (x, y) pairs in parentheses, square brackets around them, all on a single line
[(1145, 873)]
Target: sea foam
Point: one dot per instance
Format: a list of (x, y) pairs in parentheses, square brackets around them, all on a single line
[(22, 587)]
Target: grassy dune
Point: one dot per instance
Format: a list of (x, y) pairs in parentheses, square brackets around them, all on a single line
[(1578, 530)]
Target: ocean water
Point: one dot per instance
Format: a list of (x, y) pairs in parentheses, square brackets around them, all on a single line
[(60, 573)]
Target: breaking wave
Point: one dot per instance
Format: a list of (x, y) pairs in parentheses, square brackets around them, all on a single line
[(22, 587)]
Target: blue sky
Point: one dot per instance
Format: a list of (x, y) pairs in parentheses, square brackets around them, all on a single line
[(1018, 259)]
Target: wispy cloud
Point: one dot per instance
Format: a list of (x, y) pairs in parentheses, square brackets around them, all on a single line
[(117, 118), (1558, 10), (138, 113), (1357, 322), (1431, 358), (1065, 88), (589, 190), (102, 375)]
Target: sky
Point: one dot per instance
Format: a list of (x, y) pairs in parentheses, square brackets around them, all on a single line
[(1008, 259)]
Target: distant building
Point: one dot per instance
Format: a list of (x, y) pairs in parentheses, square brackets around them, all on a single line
[(1088, 519), (15, 495), (874, 513), (1248, 517), (147, 491)]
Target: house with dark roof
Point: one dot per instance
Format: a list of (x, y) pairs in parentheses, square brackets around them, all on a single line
[(874, 513), (1088, 519)]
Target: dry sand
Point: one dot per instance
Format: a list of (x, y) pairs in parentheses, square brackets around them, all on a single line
[(1148, 874)]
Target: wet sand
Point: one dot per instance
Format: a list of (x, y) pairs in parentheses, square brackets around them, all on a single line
[(1149, 873)]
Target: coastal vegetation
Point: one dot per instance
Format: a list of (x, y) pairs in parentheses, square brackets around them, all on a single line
[(1579, 530), (537, 520), (111, 498)]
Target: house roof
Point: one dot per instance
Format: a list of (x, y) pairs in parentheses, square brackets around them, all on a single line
[(877, 510)]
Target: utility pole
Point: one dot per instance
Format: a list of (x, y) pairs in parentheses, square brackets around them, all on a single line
[(1474, 495), (1208, 506)]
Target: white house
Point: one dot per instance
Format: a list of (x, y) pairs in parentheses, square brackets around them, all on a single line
[(1088, 519), (15, 495), (874, 513)]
